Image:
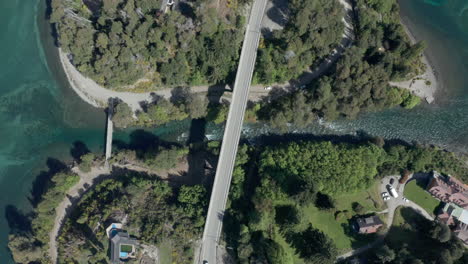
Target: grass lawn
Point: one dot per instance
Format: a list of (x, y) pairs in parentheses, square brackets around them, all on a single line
[(282, 241), (405, 231), (340, 230), (126, 248), (165, 252), (416, 193)]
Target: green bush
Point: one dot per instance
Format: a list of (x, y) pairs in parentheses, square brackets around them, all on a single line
[(86, 161)]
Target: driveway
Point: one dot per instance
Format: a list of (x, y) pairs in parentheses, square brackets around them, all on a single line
[(392, 205)]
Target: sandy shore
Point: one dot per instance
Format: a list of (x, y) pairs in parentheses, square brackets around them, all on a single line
[(426, 84), (98, 96), (93, 93)]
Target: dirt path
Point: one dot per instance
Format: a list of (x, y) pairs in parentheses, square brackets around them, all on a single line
[(72, 196), (98, 96)]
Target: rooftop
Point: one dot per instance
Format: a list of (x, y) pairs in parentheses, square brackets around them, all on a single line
[(122, 246), (369, 221)]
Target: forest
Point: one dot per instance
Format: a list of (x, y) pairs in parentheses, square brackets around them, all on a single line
[(313, 30), (125, 42), (155, 212), (275, 187), (133, 43), (359, 81)]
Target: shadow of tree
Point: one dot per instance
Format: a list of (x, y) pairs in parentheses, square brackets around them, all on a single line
[(357, 240), (79, 149), (279, 12), (17, 220), (215, 93), (179, 95), (42, 181), (53, 29), (186, 10)]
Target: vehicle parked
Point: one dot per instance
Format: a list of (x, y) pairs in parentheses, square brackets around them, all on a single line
[(386, 198), (268, 88), (393, 192), (384, 194), (392, 181), (405, 200)]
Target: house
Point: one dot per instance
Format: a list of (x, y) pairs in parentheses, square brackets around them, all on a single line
[(368, 225), (451, 212), (448, 189), (123, 247), (461, 231), (456, 217)]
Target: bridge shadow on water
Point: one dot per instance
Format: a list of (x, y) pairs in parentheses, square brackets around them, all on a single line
[(198, 158), (145, 143), (142, 141)]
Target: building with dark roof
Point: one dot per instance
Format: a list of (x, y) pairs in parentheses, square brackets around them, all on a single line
[(368, 225), (122, 246)]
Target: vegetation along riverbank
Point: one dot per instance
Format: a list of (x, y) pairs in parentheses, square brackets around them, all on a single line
[(159, 191), (380, 55)]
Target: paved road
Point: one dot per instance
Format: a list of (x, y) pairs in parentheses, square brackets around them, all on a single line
[(231, 137)]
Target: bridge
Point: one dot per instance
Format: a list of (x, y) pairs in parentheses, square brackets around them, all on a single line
[(219, 194), (109, 131)]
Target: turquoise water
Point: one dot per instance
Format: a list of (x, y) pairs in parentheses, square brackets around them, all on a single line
[(41, 117), (444, 27)]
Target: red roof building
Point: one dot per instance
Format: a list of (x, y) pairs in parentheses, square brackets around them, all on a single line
[(448, 189), (368, 225)]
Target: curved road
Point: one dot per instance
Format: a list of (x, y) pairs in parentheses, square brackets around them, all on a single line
[(71, 198)]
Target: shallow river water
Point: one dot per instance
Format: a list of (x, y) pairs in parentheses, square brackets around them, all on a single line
[(41, 118)]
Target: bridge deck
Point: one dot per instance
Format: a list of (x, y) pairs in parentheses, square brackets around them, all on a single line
[(219, 195)]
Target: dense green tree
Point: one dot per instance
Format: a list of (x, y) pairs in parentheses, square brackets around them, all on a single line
[(122, 115), (313, 29), (163, 111), (165, 159), (218, 113), (331, 168), (359, 80), (276, 254), (314, 246), (441, 232), (24, 248), (384, 254), (86, 162), (193, 200), (120, 42)]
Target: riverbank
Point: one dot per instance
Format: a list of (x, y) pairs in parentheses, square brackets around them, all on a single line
[(425, 85), (93, 93)]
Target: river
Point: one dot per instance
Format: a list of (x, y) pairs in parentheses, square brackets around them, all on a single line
[(42, 118)]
